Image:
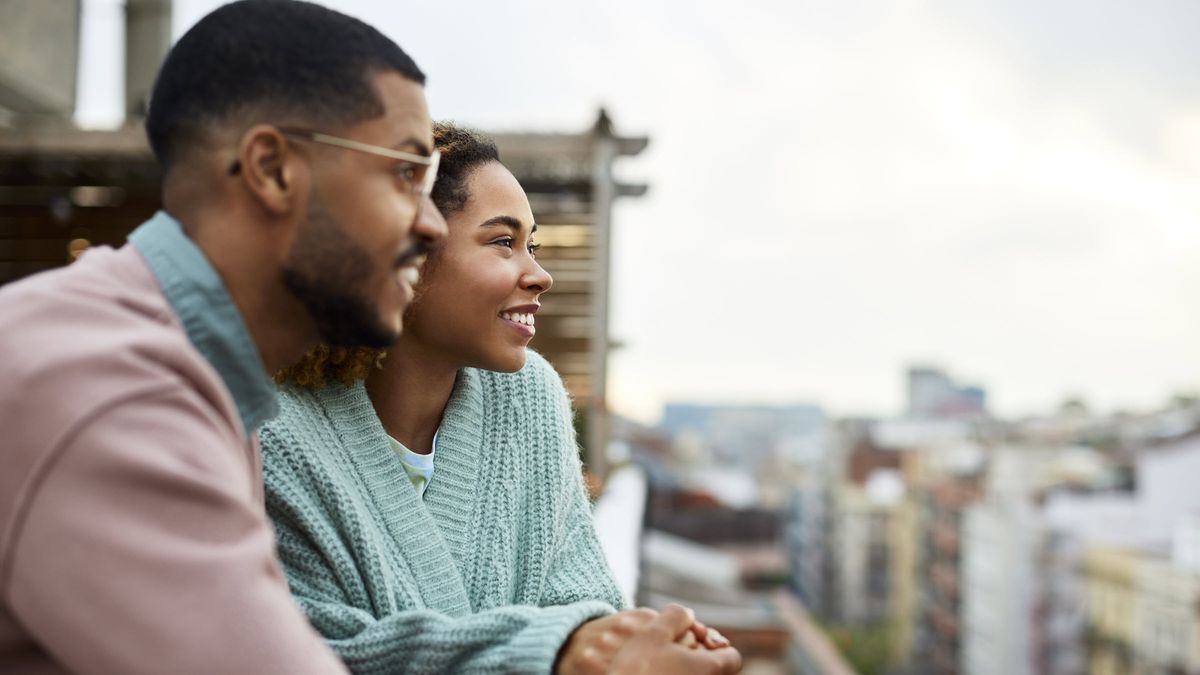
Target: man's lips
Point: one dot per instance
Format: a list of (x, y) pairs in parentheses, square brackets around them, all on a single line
[(409, 263), (409, 274)]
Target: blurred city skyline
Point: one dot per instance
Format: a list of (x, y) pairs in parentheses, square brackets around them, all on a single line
[(1007, 190)]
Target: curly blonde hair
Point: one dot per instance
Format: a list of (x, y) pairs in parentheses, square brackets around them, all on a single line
[(324, 364)]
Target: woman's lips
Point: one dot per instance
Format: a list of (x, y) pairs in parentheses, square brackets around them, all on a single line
[(521, 321)]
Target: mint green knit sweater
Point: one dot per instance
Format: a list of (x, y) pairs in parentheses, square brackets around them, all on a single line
[(491, 572)]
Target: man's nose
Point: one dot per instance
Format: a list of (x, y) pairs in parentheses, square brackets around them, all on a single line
[(430, 226)]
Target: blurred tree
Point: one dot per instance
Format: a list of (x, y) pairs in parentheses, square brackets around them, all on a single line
[(1074, 406), (867, 648), (1183, 400)]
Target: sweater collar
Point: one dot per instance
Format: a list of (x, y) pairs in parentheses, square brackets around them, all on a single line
[(414, 532), (211, 319), (460, 454)]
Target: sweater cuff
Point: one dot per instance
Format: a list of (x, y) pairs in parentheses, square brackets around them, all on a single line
[(536, 647)]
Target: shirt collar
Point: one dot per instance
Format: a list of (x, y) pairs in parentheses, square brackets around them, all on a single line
[(212, 322)]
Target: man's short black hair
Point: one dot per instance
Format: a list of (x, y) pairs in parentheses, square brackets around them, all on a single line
[(273, 61)]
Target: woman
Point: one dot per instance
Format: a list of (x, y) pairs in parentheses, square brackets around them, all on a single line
[(485, 557)]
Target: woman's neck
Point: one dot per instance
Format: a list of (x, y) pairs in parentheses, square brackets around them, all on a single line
[(410, 393)]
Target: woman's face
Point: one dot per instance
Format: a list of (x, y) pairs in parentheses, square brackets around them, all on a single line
[(475, 305)]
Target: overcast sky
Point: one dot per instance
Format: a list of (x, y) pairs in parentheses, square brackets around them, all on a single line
[(1010, 190)]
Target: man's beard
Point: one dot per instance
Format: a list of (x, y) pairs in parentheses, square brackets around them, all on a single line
[(328, 274)]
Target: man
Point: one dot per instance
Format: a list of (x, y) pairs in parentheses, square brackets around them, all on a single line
[(132, 532)]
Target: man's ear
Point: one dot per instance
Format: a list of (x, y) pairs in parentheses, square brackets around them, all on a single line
[(270, 168)]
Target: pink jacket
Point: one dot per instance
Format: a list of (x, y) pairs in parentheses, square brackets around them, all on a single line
[(132, 532)]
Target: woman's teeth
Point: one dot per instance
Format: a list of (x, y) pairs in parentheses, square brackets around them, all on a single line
[(410, 275), (526, 319)]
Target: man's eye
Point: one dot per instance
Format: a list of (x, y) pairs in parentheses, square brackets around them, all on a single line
[(406, 171)]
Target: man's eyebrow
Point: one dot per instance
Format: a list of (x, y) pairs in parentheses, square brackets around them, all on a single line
[(414, 144)]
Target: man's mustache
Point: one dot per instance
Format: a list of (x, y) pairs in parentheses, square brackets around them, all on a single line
[(415, 251)]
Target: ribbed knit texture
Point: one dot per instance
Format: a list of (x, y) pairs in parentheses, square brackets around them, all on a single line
[(491, 572)]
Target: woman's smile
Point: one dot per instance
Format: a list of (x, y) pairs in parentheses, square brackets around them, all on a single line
[(521, 319)]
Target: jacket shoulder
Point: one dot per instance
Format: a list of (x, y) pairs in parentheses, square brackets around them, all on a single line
[(77, 338)]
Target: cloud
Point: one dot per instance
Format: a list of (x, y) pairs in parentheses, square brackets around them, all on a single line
[(913, 189)]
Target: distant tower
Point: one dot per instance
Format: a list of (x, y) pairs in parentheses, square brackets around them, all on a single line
[(932, 393), (928, 390)]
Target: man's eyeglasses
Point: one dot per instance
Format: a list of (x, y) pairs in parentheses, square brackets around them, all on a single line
[(420, 172)]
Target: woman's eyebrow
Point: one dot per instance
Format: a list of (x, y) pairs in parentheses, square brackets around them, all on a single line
[(504, 221)]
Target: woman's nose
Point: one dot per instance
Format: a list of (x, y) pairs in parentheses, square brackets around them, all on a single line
[(537, 278)]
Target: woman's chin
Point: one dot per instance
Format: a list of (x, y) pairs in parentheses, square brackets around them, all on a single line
[(507, 363)]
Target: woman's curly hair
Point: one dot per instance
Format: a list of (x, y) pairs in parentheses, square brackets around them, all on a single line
[(463, 150)]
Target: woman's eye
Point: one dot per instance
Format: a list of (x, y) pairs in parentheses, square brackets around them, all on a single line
[(533, 249), (506, 242)]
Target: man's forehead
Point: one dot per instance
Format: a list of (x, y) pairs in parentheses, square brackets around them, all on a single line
[(406, 114)]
